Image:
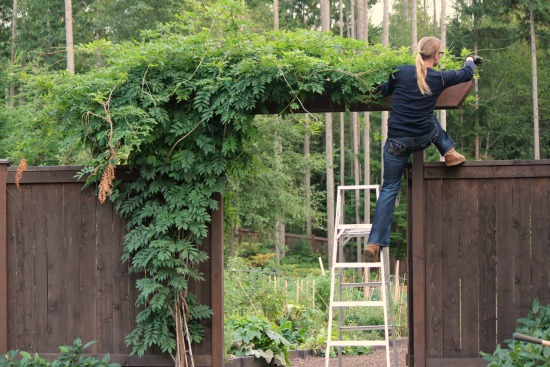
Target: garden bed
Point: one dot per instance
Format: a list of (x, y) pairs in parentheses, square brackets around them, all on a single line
[(260, 362)]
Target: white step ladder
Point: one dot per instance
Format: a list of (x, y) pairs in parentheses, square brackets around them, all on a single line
[(343, 233)]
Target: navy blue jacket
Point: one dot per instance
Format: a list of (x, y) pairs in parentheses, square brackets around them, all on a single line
[(411, 112)]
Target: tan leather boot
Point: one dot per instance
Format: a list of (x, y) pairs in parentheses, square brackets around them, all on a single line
[(370, 253), (453, 158)]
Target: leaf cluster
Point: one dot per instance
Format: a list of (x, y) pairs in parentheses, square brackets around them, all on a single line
[(256, 336), (70, 356), (519, 353)]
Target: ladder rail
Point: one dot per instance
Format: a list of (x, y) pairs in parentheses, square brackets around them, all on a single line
[(344, 232)]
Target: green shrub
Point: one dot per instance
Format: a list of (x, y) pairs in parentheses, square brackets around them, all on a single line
[(70, 356), (250, 291), (256, 336), (299, 323), (522, 354)]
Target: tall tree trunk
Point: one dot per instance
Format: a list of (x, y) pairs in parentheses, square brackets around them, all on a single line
[(353, 23), (341, 17), (425, 19), (366, 137), (435, 18), (276, 14), (535, 80), (307, 180), (12, 91), (329, 151), (386, 24), (325, 15), (69, 35), (356, 176), (414, 30), (280, 225), (330, 184), (443, 21), (366, 167), (342, 148), (360, 19)]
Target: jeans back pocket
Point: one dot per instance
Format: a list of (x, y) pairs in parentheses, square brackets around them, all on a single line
[(395, 148)]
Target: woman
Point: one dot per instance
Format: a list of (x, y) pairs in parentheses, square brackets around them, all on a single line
[(412, 127)]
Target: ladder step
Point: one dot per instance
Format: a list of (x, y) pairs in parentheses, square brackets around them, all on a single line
[(361, 285), (367, 328), (358, 265), (357, 343), (358, 303), (354, 226)]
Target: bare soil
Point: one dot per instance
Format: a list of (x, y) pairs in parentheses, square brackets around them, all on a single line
[(376, 359)]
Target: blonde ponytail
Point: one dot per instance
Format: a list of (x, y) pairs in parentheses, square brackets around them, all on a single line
[(427, 47), (421, 72)]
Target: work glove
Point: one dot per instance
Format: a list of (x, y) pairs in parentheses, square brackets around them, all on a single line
[(477, 59)]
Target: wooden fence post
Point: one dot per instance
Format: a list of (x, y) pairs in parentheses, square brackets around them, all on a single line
[(418, 269), (217, 269), (3, 258)]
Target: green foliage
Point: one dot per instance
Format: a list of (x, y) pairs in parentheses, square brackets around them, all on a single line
[(251, 291), (178, 110), (519, 353), (272, 186), (70, 356), (302, 325), (255, 336)]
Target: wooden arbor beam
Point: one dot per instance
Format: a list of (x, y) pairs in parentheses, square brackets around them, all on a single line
[(451, 98)]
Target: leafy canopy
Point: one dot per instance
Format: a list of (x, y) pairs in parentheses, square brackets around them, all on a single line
[(178, 109)]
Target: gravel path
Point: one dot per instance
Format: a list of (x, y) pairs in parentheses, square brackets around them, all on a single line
[(375, 359)]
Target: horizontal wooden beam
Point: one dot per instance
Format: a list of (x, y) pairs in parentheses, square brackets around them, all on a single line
[(489, 169), (451, 98), (456, 362), (61, 174)]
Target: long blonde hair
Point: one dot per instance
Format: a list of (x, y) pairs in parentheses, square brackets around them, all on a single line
[(427, 47)]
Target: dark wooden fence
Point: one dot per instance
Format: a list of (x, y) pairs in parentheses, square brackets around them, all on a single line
[(480, 253), (61, 275)]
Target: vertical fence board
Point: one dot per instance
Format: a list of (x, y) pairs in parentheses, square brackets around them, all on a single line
[(469, 267), (40, 263), (487, 266), (434, 297), (88, 293), (216, 285), (203, 293), (121, 304), (57, 276), (12, 237), (451, 276), (3, 258), (522, 249), (104, 276), (23, 265), (505, 230), (541, 239), (71, 220), (418, 271)]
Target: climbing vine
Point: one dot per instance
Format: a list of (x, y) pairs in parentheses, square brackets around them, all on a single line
[(178, 110)]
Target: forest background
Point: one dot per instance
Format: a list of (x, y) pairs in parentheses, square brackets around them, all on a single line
[(286, 188)]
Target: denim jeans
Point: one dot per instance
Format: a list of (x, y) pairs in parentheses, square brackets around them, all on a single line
[(396, 154)]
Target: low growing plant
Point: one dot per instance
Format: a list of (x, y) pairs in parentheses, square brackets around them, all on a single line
[(518, 353), (256, 336), (70, 356)]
